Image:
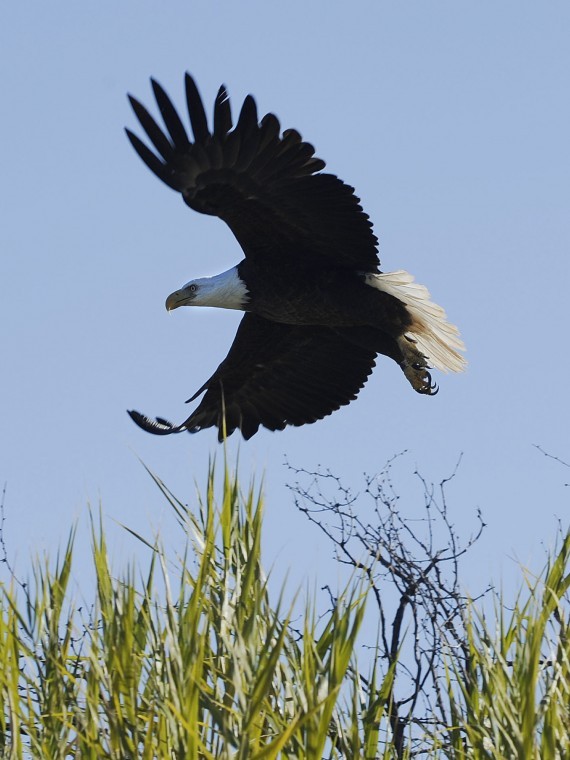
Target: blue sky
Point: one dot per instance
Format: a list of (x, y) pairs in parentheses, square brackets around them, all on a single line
[(451, 119)]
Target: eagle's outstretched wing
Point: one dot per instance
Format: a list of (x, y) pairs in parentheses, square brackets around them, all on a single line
[(275, 375), (263, 183)]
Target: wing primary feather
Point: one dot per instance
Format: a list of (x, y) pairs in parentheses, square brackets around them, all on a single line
[(268, 142), (270, 128), (159, 426), (222, 113), (152, 161), (249, 429), (196, 111), (247, 120), (154, 132), (315, 165), (198, 392), (171, 118), (291, 136), (233, 420)]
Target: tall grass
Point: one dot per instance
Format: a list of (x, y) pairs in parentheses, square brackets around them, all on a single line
[(206, 668), (515, 700), (200, 661)]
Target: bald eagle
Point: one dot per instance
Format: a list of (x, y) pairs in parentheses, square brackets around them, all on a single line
[(317, 308)]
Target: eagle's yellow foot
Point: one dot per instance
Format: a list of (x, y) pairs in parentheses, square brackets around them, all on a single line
[(415, 368)]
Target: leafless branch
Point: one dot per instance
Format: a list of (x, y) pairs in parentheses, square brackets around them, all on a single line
[(552, 456), (411, 559)]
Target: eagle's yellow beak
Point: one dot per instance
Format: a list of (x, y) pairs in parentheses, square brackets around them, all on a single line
[(180, 297)]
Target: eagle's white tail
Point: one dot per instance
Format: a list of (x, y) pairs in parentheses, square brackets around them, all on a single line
[(434, 337)]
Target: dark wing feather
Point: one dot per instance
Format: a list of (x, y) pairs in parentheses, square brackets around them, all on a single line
[(222, 114), (275, 375), (173, 122), (154, 132), (265, 185), (196, 111)]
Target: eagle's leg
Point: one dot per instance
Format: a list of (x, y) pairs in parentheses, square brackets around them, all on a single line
[(415, 367)]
